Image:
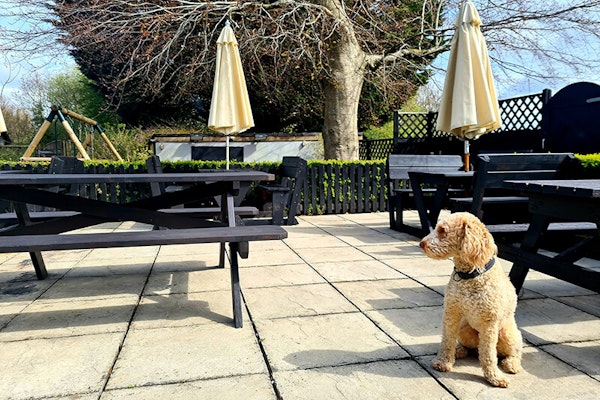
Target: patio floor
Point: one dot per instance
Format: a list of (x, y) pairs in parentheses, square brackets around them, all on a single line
[(345, 308)]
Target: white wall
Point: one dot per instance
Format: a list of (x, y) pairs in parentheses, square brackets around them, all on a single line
[(253, 151)]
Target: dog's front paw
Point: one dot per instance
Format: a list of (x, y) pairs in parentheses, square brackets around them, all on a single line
[(498, 380), (442, 365)]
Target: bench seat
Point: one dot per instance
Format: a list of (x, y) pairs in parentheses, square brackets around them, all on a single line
[(29, 243), (553, 227), (10, 218), (208, 212)]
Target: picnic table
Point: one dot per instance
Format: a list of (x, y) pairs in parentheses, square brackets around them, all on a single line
[(35, 237), (558, 200), (441, 181)]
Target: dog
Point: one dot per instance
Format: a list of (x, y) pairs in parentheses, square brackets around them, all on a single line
[(480, 301)]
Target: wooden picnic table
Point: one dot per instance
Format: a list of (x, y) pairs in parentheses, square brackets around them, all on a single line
[(558, 200), (442, 181), (24, 189)]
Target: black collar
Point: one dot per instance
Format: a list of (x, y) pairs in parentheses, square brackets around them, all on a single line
[(475, 273)]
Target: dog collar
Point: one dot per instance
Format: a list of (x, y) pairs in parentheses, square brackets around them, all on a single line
[(476, 273)]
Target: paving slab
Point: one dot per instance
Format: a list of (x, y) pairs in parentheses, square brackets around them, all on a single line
[(544, 321), (588, 304), (185, 309), (279, 275), (420, 267), (388, 294), (47, 319), (116, 266), (552, 287), (79, 287), (324, 340), (584, 356), (418, 330), (367, 238), (200, 280), (246, 387), (297, 300), (185, 250), (175, 354), (57, 367), (311, 241), (186, 262), (360, 270), (398, 379), (543, 377), (334, 254), (271, 257)]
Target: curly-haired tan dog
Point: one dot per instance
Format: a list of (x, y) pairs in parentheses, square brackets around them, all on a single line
[(480, 301)]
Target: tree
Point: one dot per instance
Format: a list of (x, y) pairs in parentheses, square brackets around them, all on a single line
[(162, 48)]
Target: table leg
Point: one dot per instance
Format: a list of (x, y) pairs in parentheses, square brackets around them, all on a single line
[(438, 202), (428, 218), (420, 204), (36, 257), (236, 295), (227, 216), (531, 240)]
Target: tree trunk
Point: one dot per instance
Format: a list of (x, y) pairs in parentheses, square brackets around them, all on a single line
[(342, 95)]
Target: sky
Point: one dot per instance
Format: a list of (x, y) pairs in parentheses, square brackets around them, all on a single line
[(12, 72)]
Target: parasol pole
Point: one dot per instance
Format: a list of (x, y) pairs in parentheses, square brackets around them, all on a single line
[(227, 150), (466, 153)]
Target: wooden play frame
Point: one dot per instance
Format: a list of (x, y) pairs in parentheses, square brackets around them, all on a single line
[(60, 112)]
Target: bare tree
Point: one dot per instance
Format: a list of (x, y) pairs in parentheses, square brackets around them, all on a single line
[(168, 45)]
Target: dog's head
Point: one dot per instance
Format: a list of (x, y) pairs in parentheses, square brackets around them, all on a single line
[(461, 236)]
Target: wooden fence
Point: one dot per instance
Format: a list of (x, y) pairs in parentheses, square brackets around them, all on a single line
[(337, 188)]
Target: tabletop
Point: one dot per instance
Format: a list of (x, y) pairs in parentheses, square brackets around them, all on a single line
[(189, 177), (583, 188)]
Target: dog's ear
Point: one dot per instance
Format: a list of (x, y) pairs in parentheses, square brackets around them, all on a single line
[(442, 229), (477, 243)]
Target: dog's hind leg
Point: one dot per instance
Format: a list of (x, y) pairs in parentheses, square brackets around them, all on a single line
[(468, 338), (510, 346)]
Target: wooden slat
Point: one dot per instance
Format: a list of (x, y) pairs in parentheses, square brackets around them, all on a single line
[(359, 190), (352, 189), (29, 243)]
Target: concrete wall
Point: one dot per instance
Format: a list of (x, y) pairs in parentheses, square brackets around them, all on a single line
[(309, 149)]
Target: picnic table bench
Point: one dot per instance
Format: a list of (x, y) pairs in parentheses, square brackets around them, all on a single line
[(285, 194), (574, 202), (56, 234), (493, 201), (400, 191)]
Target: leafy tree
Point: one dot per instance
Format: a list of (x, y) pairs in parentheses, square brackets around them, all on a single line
[(315, 54)]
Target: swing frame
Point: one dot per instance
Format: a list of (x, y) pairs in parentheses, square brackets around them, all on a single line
[(60, 112)]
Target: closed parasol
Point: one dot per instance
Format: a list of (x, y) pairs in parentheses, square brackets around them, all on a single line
[(4, 138), (469, 106), (230, 110)]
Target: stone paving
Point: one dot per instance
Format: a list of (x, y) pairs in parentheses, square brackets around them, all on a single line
[(345, 308)]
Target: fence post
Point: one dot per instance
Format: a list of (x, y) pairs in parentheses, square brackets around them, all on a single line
[(545, 123)]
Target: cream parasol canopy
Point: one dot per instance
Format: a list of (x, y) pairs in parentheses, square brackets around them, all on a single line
[(230, 110), (469, 106)]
